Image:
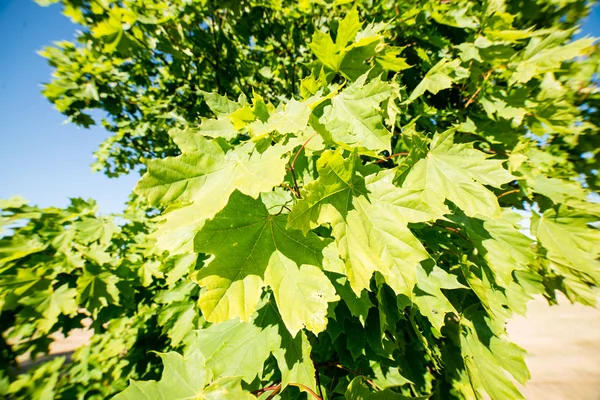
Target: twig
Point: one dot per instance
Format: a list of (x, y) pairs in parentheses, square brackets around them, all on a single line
[(509, 192), (267, 389), (293, 171), (282, 208), (448, 228), (217, 58), (301, 148), (333, 364), (402, 153), (291, 189), (486, 76), (275, 392), (309, 390), (296, 188), (277, 388), (317, 378)]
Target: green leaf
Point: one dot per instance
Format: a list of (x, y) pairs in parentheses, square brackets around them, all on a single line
[(206, 177), (374, 237), (178, 319), (344, 57), (221, 106), (430, 299), (488, 358), (546, 55), (180, 266), (294, 355), (96, 288), (501, 244), (359, 390), (52, 303), (252, 249), (390, 61), (211, 175), (354, 117), (291, 118), (191, 140), (19, 247), (569, 240), (235, 348), (148, 271), (457, 172), (371, 233), (185, 378), (439, 77), (330, 193)]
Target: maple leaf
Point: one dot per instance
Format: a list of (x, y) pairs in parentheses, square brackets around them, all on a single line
[(185, 378), (457, 172), (252, 249), (354, 117), (439, 77)]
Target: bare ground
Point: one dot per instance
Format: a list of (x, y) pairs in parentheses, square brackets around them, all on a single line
[(563, 346)]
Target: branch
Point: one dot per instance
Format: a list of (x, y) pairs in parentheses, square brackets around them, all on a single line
[(291, 189), (217, 58), (275, 388), (296, 189), (301, 148), (293, 171), (509, 192), (486, 76), (448, 228), (333, 364), (283, 207), (402, 153), (317, 377), (309, 390)]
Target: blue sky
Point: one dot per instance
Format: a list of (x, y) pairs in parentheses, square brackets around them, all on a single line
[(41, 158)]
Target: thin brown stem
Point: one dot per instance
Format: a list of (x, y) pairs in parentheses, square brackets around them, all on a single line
[(454, 230), (213, 30), (336, 365), (301, 148), (293, 171), (275, 392), (284, 207), (317, 377), (291, 189), (509, 192), (267, 389), (296, 188), (308, 390), (402, 153), (486, 76)]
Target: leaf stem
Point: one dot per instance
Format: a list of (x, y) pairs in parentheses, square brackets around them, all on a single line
[(301, 148), (336, 365), (509, 192), (309, 390), (449, 228), (486, 76), (293, 171), (402, 153), (317, 378), (217, 57), (267, 389)]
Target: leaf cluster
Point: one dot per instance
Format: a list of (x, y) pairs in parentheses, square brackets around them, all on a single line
[(341, 207)]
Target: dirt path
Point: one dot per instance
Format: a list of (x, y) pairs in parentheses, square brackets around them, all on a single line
[(563, 345)]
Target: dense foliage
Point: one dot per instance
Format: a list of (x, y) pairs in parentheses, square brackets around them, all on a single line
[(338, 199)]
